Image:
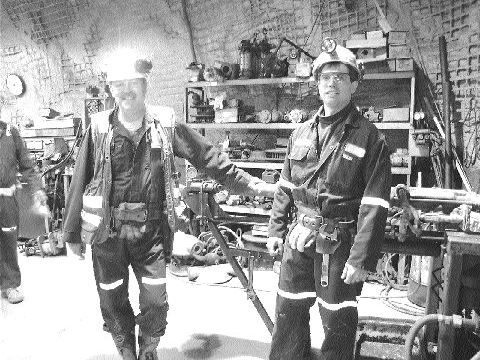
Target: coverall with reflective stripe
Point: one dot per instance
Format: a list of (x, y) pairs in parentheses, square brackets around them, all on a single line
[(14, 157), (343, 171), (123, 168)]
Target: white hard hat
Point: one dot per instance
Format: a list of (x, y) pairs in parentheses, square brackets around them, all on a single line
[(125, 64), (335, 54)]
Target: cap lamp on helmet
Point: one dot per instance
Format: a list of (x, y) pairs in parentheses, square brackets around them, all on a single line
[(126, 65), (333, 53)]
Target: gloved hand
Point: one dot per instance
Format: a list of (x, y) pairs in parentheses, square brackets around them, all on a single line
[(352, 274), (275, 246), (300, 237), (77, 250), (261, 188), (40, 203)]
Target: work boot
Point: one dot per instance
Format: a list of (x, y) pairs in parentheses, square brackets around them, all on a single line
[(126, 346), (13, 295), (147, 347)]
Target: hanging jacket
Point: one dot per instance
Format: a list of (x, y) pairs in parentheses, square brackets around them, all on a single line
[(349, 178), (88, 207)]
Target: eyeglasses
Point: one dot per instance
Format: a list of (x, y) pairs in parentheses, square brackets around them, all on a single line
[(336, 76)]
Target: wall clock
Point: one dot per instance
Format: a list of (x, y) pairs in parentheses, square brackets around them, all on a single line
[(15, 84)]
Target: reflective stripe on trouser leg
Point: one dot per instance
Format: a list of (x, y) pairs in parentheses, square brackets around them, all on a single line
[(10, 276), (296, 294), (110, 267), (338, 306), (148, 263)]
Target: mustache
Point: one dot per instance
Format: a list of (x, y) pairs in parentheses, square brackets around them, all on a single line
[(127, 95)]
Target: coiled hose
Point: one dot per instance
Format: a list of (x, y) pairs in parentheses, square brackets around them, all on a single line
[(455, 320)]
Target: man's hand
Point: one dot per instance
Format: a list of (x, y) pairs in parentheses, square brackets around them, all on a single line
[(40, 203), (275, 246), (300, 237), (77, 250), (351, 274), (261, 188)]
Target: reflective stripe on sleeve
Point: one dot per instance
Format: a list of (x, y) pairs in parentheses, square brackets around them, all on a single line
[(150, 281), (92, 201), (91, 218), (111, 286), (335, 307), (9, 229), (297, 296), (367, 200)]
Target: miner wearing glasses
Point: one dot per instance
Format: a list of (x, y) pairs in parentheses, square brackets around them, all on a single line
[(328, 216)]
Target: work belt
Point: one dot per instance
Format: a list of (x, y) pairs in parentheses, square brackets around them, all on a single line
[(326, 232), (135, 212), (10, 191)]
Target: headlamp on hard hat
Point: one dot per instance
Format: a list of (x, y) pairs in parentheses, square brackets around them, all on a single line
[(333, 53), (125, 64)]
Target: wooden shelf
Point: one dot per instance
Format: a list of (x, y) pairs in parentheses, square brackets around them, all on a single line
[(258, 126), (393, 125), (286, 126), (294, 80), (243, 209), (259, 165), (401, 170)]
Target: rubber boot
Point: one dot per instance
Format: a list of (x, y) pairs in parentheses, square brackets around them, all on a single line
[(126, 346), (148, 347)]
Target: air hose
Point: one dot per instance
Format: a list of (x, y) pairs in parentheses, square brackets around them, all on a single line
[(455, 320)]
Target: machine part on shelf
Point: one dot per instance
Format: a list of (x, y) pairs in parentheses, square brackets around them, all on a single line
[(274, 67), (296, 116), (421, 136), (409, 214), (455, 320), (270, 176), (372, 115), (245, 59)]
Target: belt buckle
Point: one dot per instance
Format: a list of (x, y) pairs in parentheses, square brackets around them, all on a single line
[(319, 221), (144, 214)]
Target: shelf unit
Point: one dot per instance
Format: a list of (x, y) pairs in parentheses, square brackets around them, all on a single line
[(389, 89)]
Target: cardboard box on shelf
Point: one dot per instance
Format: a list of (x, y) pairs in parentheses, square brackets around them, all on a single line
[(398, 114), (398, 51), (404, 64), (226, 115), (397, 37), (367, 43), (375, 34)]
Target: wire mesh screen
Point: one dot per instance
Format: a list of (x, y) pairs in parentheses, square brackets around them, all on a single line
[(44, 20)]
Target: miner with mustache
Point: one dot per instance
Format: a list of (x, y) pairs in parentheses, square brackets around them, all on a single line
[(121, 201)]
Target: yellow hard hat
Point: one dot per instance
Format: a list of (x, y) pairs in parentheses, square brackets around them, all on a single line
[(333, 53), (125, 64)]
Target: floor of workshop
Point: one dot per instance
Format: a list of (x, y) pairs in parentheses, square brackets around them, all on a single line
[(60, 317)]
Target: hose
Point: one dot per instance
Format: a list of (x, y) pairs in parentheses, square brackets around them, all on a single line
[(455, 320)]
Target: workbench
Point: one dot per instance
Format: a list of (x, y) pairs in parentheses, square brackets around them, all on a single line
[(458, 244)]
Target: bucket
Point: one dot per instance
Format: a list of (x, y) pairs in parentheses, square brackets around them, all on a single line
[(418, 280)]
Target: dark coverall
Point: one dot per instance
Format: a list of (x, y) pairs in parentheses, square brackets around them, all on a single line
[(113, 167), (14, 158), (339, 171)]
